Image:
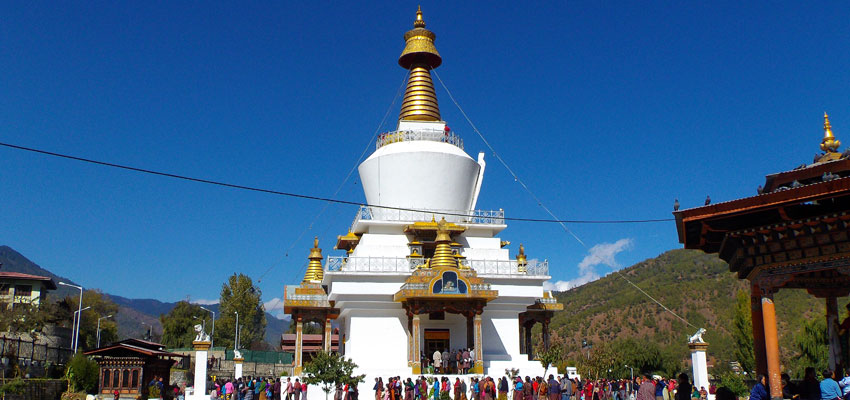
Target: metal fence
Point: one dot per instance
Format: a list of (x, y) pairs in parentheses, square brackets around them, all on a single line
[(26, 353), (257, 356), (487, 217), (427, 135)]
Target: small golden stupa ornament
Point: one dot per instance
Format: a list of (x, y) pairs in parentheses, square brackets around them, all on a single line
[(315, 272), (521, 262), (829, 143), (443, 256), (419, 57)]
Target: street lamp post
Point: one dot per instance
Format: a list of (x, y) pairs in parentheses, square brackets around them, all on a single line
[(78, 316), (212, 334), (79, 311), (633, 371), (236, 334), (98, 328)]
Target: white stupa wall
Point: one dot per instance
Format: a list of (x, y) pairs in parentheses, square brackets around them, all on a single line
[(421, 174)]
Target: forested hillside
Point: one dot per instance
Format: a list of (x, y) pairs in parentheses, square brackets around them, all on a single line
[(696, 286)]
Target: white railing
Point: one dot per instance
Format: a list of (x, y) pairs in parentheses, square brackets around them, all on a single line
[(405, 265), (409, 136), (370, 213), (372, 264), (509, 267)]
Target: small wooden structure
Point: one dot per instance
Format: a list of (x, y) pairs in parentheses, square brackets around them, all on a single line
[(794, 234), (130, 365)]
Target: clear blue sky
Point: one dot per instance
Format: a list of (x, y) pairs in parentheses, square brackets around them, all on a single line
[(608, 110)]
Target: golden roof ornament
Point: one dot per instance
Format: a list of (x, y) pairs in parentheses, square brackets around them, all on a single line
[(315, 272), (419, 57), (829, 143), (521, 262)]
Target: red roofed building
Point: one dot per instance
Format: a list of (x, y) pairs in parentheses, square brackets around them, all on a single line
[(19, 288)]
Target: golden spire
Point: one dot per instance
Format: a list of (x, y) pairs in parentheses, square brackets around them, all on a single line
[(521, 262), (829, 143), (443, 252), (419, 57), (315, 272)]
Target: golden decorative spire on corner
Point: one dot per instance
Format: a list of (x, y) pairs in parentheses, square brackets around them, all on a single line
[(829, 143), (315, 272), (419, 57), (521, 262)]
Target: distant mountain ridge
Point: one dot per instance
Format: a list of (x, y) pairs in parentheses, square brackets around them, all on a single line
[(134, 315)]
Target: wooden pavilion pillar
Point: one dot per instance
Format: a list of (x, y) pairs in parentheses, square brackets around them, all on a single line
[(521, 335), (771, 345), (326, 342), (478, 368), (758, 331), (299, 348), (416, 361), (546, 334)]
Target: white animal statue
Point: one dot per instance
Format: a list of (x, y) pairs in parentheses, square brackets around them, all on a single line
[(237, 354), (697, 337), (201, 336)]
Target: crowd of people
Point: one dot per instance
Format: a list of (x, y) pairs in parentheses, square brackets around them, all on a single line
[(829, 387), (538, 388), (449, 362), (249, 388)]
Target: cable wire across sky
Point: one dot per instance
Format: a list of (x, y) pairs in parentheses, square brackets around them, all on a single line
[(308, 196)]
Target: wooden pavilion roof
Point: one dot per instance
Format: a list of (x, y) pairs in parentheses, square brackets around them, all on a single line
[(793, 231)]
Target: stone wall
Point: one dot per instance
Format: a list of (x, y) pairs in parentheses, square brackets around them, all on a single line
[(41, 389)]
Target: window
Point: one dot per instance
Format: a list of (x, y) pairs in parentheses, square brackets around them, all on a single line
[(106, 378), (125, 381), (23, 290), (115, 378), (135, 378)]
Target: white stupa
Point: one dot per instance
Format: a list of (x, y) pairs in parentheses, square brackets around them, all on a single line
[(423, 269)]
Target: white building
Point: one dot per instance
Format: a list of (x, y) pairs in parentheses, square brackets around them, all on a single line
[(424, 270)]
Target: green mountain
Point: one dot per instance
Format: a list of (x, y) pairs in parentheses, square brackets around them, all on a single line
[(696, 286)]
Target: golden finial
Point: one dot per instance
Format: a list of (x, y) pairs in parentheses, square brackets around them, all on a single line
[(521, 262), (315, 272), (419, 23), (829, 143), (419, 57)]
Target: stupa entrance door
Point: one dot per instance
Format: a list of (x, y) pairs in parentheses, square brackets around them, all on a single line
[(436, 340)]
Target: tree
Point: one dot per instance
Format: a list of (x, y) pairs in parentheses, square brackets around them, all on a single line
[(330, 370), (238, 294), (813, 343), (25, 317), (307, 328), (742, 332), (550, 357), (178, 325)]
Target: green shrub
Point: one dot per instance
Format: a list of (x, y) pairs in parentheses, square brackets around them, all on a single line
[(735, 383), (15, 386), (82, 374)]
